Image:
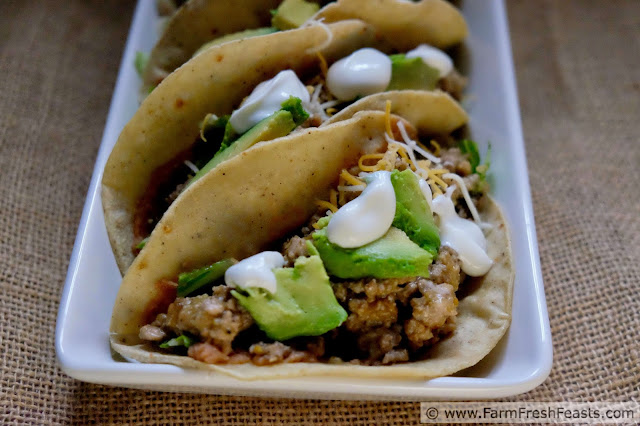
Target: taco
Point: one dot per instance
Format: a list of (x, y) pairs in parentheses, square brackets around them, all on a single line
[(197, 118), (202, 23), (344, 269)]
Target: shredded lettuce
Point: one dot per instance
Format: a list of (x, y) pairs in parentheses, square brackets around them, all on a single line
[(142, 243), (467, 146), (189, 282), (182, 340), (214, 125), (483, 168), (140, 62)]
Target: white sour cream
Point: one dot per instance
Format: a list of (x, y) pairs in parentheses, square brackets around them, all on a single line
[(367, 217), (433, 57), (364, 72), (267, 98), (255, 271), (426, 189), (462, 235)]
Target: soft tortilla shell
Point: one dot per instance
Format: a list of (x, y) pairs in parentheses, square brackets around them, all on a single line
[(404, 24), (292, 176), (434, 112), (274, 186), (215, 81), (197, 22), (241, 206)]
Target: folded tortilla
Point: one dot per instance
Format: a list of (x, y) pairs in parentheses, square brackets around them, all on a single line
[(167, 122), (402, 24), (261, 195)]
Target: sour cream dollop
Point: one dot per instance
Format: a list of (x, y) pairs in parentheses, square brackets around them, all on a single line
[(267, 98), (433, 57), (255, 271), (462, 235), (364, 72), (426, 190), (367, 217)]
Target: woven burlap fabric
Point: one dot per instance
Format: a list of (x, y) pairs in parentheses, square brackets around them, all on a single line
[(577, 65)]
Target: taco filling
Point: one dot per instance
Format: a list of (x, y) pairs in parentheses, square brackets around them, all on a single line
[(372, 278), (284, 104)]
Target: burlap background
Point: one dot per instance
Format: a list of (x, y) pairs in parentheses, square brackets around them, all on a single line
[(578, 72)]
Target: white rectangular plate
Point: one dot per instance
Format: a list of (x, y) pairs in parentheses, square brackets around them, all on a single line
[(521, 361)]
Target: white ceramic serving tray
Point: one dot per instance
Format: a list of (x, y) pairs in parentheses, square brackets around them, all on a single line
[(520, 362)]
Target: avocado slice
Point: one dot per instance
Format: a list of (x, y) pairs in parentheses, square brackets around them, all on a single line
[(393, 255), (253, 32), (412, 74), (278, 124), (303, 304), (413, 214), (293, 13)]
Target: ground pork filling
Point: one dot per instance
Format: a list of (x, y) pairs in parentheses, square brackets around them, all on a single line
[(389, 320)]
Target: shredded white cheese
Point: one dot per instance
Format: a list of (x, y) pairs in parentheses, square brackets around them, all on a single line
[(192, 166), (465, 193)]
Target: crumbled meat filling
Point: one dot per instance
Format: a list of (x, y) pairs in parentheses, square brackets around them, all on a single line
[(365, 315), (432, 315), (277, 352), (389, 321), (454, 84), (377, 342), (455, 161), (152, 333), (294, 248), (218, 318), (393, 318), (446, 268)]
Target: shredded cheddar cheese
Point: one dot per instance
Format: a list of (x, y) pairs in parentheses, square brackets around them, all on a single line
[(387, 118), (435, 188), (327, 205), (415, 155), (373, 168), (349, 178), (424, 164), (436, 147), (323, 64), (333, 197), (405, 157)]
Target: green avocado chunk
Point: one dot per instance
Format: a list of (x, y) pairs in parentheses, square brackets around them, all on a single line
[(393, 255), (303, 304), (254, 32), (413, 214), (293, 13), (411, 74), (279, 124)]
